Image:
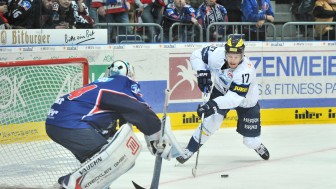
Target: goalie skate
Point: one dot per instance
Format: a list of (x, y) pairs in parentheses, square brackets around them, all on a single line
[(263, 152)]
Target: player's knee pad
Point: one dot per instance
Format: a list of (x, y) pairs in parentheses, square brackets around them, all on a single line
[(252, 142), (210, 125), (112, 161)]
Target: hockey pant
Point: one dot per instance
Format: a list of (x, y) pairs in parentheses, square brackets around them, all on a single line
[(212, 123)]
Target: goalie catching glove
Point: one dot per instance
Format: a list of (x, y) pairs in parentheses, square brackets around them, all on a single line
[(156, 147), (207, 109)]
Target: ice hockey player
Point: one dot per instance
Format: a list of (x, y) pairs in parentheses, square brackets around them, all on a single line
[(235, 87), (81, 120)]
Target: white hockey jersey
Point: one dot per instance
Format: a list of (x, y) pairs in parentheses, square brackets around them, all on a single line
[(238, 86)]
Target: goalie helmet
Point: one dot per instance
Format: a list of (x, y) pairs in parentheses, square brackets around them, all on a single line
[(235, 44), (120, 67)]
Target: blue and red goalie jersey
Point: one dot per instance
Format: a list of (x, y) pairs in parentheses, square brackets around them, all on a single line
[(96, 105)]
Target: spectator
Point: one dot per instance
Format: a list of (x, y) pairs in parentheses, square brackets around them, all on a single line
[(63, 15), (210, 12), (177, 11), (234, 14), (296, 16), (114, 11), (258, 11), (3, 20), (193, 3), (81, 14), (305, 10), (43, 14), (325, 11), (93, 12), (150, 12), (21, 13)]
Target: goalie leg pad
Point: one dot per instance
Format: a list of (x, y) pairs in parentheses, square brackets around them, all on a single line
[(210, 126), (112, 161)]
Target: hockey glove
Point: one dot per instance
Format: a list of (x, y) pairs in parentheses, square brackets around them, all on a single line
[(157, 148), (204, 80), (207, 109)]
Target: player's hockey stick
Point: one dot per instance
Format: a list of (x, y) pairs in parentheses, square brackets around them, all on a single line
[(200, 135), (158, 159)]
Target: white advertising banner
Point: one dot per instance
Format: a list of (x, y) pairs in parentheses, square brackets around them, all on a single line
[(23, 37), (291, 74)]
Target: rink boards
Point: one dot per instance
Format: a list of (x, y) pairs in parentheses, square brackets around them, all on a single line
[(297, 79)]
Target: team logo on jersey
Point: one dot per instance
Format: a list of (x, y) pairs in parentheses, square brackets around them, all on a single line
[(135, 89), (26, 5), (182, 79)]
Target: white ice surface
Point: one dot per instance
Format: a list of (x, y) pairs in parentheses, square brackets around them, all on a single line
[(301, 157)]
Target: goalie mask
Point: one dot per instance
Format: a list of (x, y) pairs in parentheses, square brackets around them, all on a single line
[(235, 44), (120, 67)]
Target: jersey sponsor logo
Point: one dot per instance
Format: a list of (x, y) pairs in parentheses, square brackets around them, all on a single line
[(251, 127), (240, 89), (202, 74), (52, 112), (251, 120), (133, 145)]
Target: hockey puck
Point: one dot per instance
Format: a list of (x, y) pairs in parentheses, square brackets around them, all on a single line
[(224, 176)]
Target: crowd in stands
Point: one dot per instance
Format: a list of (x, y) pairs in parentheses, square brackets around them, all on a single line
[(49, 14), (71, 14)]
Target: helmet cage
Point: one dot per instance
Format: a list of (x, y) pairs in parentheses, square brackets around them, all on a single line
[(120, 67)]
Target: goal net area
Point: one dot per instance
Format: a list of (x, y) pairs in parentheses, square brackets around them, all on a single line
[(28, 158)]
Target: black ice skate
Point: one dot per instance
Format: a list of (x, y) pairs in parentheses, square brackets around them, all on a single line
[(186, 155), (263, 152)]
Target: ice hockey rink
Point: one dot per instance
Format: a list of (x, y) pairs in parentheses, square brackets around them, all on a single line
[(301, 157)]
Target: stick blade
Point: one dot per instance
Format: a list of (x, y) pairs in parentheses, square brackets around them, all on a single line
[(194, 172), (137, 186)]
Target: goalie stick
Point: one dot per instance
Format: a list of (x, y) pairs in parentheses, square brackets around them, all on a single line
[(158, 159)]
